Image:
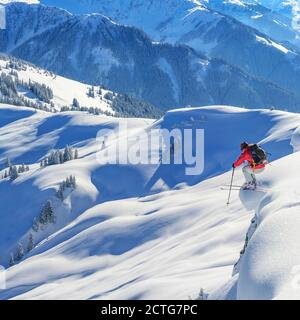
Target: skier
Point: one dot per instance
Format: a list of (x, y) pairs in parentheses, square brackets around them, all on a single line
[(257, 160)]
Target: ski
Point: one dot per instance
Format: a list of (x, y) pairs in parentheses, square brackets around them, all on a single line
[(240, 189), (235, 186), (239, 186)]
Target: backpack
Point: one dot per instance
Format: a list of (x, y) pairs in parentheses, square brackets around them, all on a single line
[(259, 155)]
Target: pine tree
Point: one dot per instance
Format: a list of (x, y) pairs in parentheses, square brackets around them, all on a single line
[(50, 212), (73, 182), (47, 214), (68, 153), (91, 92), (30, 245), (11, 260), (50, 159), (61, 157), (202, 295), (35, 225), (13, 173), (20, 252), (60, 192), (76, 154), (68, 183), (8, 163), (57, 157), (75, 104)]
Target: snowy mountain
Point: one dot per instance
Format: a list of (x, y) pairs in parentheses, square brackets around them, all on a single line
[(25, 84), (93, 49), (265, 16), (25, 1), (156, 233), (203, 26), (284, 6), (265, 19)]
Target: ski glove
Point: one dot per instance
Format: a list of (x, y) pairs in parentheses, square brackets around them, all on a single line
[(233, 166)]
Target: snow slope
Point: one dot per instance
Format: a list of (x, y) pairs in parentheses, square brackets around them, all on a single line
[(269, 268), (64, 90), (148, 231), (23, 85)]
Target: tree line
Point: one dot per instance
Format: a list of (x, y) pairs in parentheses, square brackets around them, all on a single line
[(46, 217)]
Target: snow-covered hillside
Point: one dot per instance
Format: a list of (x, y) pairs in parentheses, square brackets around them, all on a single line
[(64, 90), (270, 266), (148, 231), (25, 84), (96, 50)]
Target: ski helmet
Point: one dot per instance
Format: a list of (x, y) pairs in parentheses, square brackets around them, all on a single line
[(244, 145)]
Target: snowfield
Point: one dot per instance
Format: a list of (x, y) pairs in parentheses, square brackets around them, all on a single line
[(150, 231)]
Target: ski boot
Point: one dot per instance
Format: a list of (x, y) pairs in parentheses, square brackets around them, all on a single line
[(249, 185)]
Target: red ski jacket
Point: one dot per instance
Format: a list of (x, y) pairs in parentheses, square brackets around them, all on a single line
[(247, 156)]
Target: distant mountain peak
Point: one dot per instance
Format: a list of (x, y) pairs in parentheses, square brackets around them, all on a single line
[(25, 1)]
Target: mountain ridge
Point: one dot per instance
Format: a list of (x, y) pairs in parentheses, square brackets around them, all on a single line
[(125, 60), (208, 28)]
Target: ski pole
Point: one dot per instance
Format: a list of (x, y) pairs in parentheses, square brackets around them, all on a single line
[(230, 186)]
